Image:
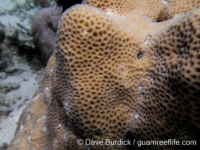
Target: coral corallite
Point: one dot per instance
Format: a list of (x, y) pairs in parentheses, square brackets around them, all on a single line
[(116, 73)]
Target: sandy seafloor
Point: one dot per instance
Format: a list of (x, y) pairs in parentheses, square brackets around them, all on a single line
[(19, 78)]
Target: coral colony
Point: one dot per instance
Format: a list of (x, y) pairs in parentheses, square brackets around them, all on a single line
[(120, 71)]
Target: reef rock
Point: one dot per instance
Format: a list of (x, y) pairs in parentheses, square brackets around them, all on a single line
[(42, 3), (44, 27), (116, 73), (2, 34), (18, 78)]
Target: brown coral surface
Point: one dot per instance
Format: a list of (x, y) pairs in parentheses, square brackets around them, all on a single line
[(116, 74)]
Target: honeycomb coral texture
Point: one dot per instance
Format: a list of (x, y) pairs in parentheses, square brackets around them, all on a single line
[(116, 73)]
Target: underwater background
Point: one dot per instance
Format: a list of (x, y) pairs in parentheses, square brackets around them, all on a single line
[(21, 59)]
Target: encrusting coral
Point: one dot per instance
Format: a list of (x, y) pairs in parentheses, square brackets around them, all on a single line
[(116, 73)]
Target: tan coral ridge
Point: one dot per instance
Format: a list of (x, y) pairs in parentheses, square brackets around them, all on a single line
[(116, 74)]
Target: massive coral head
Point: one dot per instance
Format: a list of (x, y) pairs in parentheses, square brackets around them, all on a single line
[(118, 74)]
